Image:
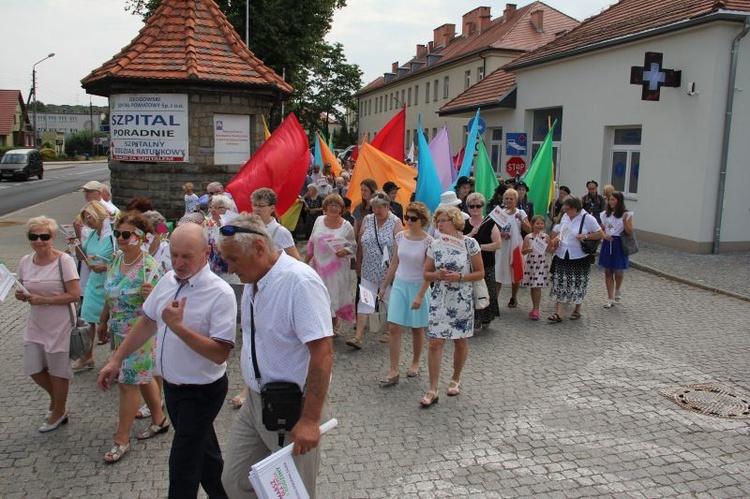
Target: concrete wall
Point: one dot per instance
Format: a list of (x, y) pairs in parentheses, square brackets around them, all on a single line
[(681, 134), (162, 182)]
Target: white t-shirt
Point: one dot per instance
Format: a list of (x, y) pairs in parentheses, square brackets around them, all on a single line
[(613, 225), (281, 236), (411, 257), (192, 201), (292, 307), (210, 310)]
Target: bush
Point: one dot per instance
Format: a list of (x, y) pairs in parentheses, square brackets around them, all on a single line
[(48, 153)]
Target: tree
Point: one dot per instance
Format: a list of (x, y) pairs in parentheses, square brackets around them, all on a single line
[(288, 36)]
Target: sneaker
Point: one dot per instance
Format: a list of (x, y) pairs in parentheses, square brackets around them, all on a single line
[(609, 304), (618, 296)]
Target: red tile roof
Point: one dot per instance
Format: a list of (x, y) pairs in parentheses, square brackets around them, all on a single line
[(622, 20), (9, 100), (515, 34), (189, 40), (486, 94)]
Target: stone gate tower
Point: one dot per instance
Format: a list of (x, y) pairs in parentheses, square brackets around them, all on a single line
[(186, 100)]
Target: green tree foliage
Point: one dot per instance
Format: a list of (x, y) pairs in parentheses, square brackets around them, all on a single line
[(81, 143), (288, 36)]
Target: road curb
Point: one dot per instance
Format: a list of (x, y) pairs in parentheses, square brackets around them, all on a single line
[(683, 280)]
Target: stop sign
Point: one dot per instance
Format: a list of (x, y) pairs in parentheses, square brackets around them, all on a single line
[(515, 166)]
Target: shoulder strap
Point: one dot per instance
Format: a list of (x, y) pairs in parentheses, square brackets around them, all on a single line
[(252, 343), (59, 269), (377, 239), (583, 217)]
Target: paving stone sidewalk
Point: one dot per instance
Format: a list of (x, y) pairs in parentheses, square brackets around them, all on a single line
[(547, 410)]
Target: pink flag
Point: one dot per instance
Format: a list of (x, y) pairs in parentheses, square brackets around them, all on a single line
[(440, 149)]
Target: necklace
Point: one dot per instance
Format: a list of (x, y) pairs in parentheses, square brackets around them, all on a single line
[(134, 259)]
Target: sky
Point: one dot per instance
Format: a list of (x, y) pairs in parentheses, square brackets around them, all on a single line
[(84, 34)]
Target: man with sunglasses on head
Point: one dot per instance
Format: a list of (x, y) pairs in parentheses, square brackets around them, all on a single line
[(193, 313), (287, 340)]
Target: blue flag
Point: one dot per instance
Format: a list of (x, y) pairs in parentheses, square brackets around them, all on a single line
[(471, 147), (318, 154), (428, 183)]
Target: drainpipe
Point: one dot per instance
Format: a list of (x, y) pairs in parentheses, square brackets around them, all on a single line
[(727, 133)]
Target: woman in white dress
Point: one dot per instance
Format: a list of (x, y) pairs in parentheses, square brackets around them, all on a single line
[(509, 260)]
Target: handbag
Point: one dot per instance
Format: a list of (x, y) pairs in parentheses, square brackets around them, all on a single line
[(480, 293), (589, 246), (629, 243), (281, 401), (80, 341)]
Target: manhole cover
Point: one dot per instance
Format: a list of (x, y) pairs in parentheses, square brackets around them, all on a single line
[(712, 400)]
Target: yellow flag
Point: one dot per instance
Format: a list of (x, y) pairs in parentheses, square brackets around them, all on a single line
[(266, 133), (291, 216)]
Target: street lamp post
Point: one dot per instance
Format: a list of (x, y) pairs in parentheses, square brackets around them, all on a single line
[(33, 91)]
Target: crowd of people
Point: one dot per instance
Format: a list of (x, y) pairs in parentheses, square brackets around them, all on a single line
[(167, 305)]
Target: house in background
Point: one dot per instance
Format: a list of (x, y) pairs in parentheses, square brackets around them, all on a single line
[(15, 128), (680, 156), (449, 64)]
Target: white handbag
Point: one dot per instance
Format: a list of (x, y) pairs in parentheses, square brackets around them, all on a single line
[(480, 292)]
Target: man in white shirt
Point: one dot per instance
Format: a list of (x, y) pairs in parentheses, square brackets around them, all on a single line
[(286, 321), (96, 191), (193, 312)]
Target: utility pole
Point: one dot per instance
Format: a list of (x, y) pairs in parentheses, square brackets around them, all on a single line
[(33, 91)]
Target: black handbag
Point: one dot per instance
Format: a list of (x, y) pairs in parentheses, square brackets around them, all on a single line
[(589, 246), (281, 401)]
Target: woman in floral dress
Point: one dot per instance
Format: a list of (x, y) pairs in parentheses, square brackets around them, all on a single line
[(451, 302), (332, 231), (129, 281)]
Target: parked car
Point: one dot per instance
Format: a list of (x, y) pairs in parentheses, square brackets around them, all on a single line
[(21, 163)]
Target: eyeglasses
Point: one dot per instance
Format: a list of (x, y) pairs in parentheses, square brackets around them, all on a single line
[(230, 230), (126, 234), (442, 221), (410, 218), (217, 207), (213, 193), (260, 205), (43, 237), (474, 206)]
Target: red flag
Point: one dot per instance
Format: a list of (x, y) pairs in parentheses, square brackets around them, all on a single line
[(458, 158), (280, 164), (355, 153), (390, 139)]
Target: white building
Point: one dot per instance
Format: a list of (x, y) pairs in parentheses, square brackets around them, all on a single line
[(450, 63), (681, 168)]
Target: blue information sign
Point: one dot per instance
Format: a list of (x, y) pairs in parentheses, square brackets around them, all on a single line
[(481, 125), (515, 144)]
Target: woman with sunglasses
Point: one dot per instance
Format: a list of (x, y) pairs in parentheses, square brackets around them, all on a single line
[(129, 281), (486, 232), (376, 236), (452, 263), (407, 306), (96, 253), (51, 279)]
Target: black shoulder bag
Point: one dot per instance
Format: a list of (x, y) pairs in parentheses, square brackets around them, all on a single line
[(589, 246), (281, 400)]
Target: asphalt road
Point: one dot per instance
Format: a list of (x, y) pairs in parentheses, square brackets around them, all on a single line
[(15, 195)]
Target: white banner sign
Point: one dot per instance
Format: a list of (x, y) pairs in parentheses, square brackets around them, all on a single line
[(231, 139), (149, 127)]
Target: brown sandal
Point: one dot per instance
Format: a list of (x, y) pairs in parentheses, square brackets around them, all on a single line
[(429, 399), (554, 318)]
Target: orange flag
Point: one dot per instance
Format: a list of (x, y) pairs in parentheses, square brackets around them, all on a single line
[(328, 157), (380, 167)]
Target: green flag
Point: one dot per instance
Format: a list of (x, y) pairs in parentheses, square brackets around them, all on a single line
[(540, 177), (485, 178)]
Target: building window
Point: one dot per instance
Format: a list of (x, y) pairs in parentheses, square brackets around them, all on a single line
[(416, 94), (408, 97), (626, 159), (408, 138), (435, 91), (496, 148), (446, 87), (403, 98), (543, 118), (434, 132), (480, 73), (427, 93), (467, 79)]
